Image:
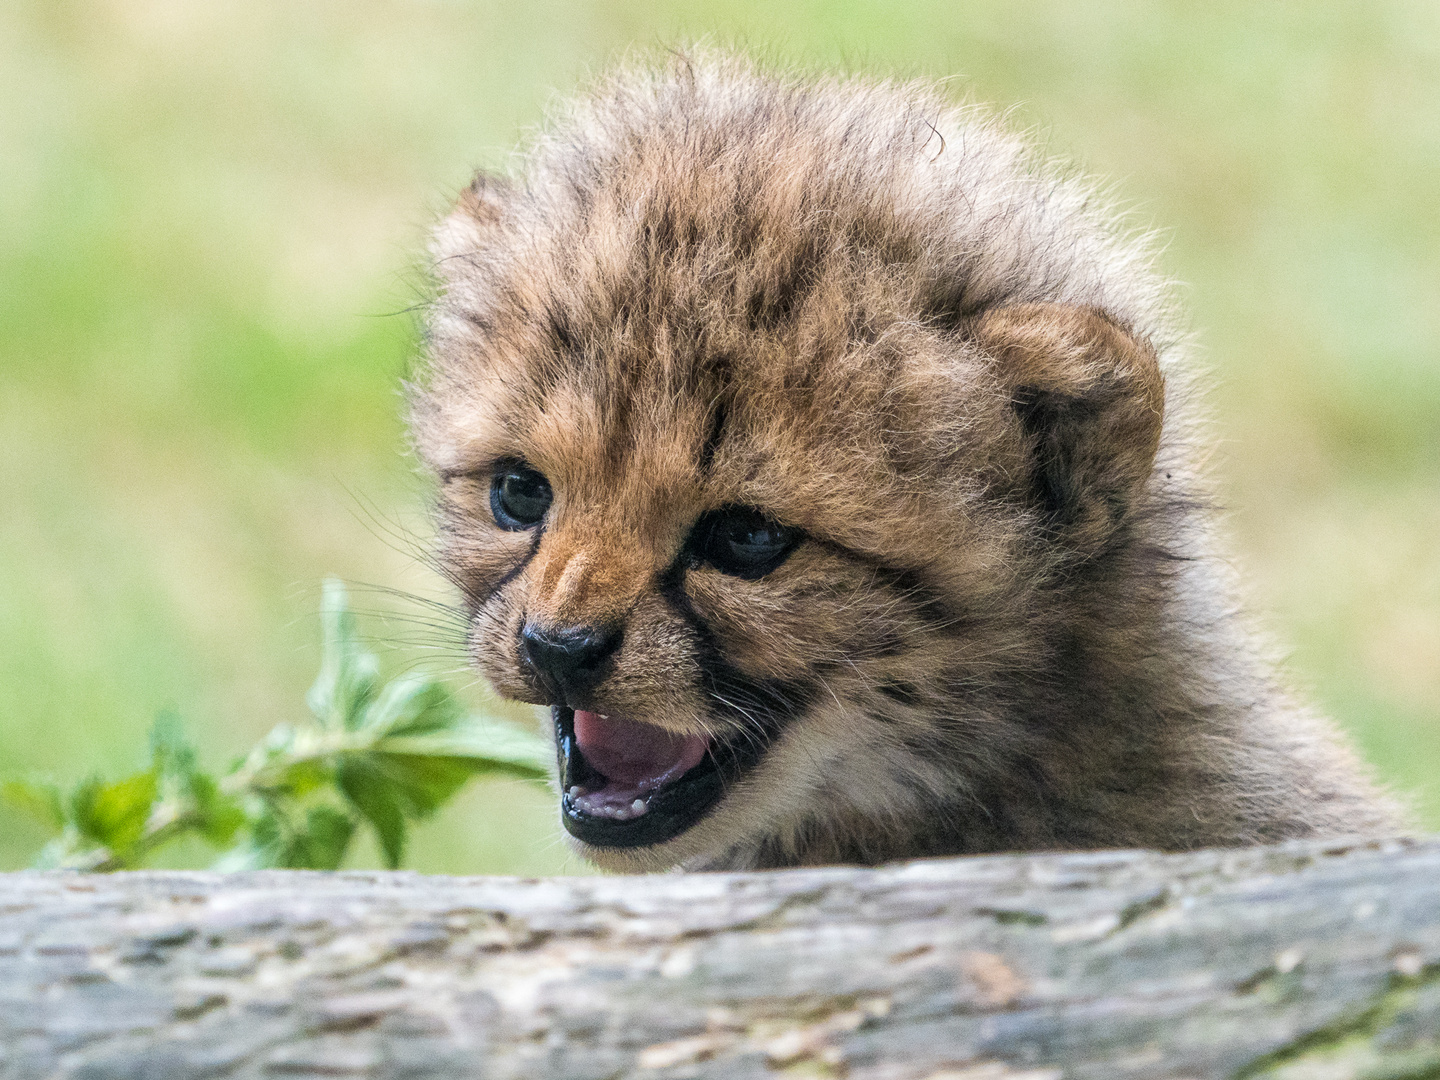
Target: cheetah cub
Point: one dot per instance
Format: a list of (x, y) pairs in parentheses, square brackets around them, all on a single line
[(824, 460)]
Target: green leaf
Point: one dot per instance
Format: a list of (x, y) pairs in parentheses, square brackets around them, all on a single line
[(413, 705), (269, 839), (171, 754), (37, 797), (491, 746), (424, 783), (323, 843), (68, 852), (192, 795), (240, 858), (384, 755), (348, 672), (114, 814), (218, 817), (381, 800), (300, 778), (318, 843)]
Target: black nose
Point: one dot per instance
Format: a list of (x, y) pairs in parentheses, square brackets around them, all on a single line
[(569, 658)]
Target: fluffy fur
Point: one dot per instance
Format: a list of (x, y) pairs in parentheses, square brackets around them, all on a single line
[(883, 320)]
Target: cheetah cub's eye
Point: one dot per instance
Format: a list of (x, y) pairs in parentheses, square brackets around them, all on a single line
[(519, 496), (742, 541)]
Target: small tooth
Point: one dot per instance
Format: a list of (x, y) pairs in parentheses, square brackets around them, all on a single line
[(638, 806), (576, 791)]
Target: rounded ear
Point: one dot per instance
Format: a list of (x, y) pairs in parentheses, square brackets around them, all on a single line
[(1090, 399), (479, 210)]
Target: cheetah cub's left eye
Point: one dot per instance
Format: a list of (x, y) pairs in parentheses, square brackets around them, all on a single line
[(519, 497), (741, 541)]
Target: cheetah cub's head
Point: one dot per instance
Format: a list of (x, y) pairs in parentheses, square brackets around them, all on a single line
[(769, 419)]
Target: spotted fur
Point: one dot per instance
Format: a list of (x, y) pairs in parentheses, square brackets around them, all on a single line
[(884, 320)]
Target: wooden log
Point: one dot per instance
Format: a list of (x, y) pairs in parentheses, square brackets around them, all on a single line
[(1304, 960)]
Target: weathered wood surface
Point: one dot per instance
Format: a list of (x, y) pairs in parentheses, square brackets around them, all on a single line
[(1303, 960)]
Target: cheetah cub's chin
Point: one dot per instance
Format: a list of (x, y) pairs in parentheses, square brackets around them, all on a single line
[(825, 461)]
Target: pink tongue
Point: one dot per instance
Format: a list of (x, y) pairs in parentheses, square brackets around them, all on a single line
[(629, 752)]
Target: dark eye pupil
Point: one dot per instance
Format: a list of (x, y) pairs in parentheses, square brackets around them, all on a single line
[(751, 543), (742, 541), (519, 497)]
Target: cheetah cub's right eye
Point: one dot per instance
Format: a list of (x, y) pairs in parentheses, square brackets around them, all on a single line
[(742, 541), (519, 496)]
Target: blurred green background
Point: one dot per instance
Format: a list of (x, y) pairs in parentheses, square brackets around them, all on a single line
[(210, 216)]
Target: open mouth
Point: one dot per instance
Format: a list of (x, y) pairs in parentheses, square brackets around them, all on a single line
[(630, 784)]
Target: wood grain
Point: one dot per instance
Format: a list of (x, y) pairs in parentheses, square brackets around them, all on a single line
[(1305, 960)]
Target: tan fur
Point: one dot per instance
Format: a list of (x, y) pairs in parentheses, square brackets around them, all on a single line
[(882, 320)]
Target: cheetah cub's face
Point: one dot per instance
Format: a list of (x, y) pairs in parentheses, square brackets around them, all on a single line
[(744, 489)]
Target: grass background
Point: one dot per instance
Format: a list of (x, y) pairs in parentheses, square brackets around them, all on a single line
[(210, 214)]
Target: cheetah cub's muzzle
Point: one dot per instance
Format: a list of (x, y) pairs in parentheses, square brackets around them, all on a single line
[(626, 783)]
